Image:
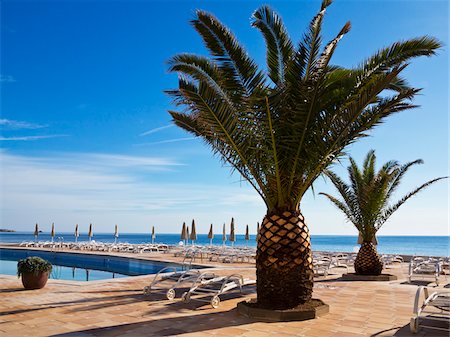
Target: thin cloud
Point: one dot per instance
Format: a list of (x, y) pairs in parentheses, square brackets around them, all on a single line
[(27, 138), (149, 132), (15, 125), (168, 141), (72, 188), (122, 161)]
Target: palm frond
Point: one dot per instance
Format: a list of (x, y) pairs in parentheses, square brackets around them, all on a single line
[(347, 194), (239, 69), (399, 175), (305, 63), (396, 55), (279, 45), (388, 212), (324, 59), (201, 69), (343, 207)]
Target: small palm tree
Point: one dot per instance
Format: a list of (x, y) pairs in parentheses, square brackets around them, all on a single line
[(282, 127), (366, 203)]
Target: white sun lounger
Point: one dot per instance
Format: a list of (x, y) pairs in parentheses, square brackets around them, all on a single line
[(215, 287), (167, 280), (435, 308), (423, 269)]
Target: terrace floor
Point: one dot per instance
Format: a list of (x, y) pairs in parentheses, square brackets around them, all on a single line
[(119, 308)]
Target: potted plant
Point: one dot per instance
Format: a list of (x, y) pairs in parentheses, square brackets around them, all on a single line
[(34, 272)]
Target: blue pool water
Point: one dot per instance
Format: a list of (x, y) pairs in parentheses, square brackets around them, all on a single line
[(407, 245), (82, 267)]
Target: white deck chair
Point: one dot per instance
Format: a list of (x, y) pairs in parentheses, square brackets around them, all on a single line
[(322, 266), (168, 279), (435, 307), (215, 287), (423, 269)]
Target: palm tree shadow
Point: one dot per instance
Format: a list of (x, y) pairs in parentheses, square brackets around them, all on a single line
[(13, 290), (105, 302), (404, 331), (327, 280), (172, 326), (394, 330), (418, 283), (116, 298)]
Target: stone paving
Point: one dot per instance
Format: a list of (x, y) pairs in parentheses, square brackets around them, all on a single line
[(118, 307)]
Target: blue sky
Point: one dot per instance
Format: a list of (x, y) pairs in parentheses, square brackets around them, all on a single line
[(86, 137)]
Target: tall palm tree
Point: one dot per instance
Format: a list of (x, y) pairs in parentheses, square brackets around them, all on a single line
[(282, 127), (366, 203)]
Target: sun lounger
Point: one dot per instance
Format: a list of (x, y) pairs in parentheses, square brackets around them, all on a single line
[(215, 287), (390, 260), (321, 267), (167, 280), (433, 312), (421, 268)]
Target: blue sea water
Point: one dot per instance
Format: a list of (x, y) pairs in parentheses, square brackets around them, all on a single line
[(407, 245)]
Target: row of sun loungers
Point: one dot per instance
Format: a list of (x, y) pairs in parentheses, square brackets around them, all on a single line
[(419, 267), (208, 287), (99, 246), (324, 262), (200, 286), (222, 254)]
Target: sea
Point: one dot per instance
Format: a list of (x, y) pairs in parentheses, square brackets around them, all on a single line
[(405, 245)]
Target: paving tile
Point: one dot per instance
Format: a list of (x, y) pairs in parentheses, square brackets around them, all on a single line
[(117, 308)]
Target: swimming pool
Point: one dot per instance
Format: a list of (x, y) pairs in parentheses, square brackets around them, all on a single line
[(83, 267)]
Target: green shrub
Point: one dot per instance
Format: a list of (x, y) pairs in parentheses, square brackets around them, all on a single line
[(33, 264)]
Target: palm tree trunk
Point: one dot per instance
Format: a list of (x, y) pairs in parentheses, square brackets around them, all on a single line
[(284, 261), (367, 261)]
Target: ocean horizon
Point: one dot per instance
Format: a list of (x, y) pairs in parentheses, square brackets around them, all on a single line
[(387, 244)]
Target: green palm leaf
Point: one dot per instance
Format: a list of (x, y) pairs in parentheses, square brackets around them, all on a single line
[(279, 45), (280, 131), (365, 202)]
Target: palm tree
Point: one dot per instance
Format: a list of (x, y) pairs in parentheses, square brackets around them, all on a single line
[(281, 128), (366, 203)]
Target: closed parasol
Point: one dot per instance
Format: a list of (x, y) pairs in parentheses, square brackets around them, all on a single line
[(184, 234), (90, 233), (210, 235), (224, 235), (232, 236), (52, 233), (247, 235), (36, 232), (193, 236), (76, 233)]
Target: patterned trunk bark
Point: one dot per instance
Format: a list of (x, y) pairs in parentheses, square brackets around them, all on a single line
[(368, 262), (284, 261)]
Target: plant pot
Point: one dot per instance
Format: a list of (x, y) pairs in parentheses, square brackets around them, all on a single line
[(34, 281)]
